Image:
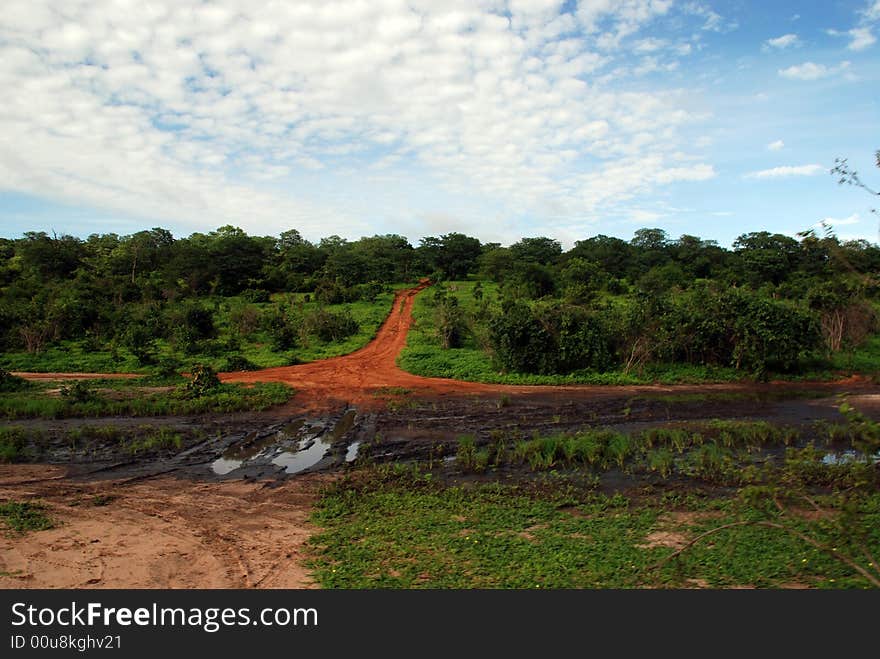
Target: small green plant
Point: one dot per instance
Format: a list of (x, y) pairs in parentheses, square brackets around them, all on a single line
[(203, 380), (10, 382), (661, 460), (466, 455), (22, 516), (78, 391), (12, 444)]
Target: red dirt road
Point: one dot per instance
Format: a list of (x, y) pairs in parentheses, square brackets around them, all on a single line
[(356, 377)]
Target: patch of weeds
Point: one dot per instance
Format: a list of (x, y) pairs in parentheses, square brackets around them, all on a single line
[(10, 382), (23, 516), (12, 444), (203, 380), (466, 455), (78, 391)]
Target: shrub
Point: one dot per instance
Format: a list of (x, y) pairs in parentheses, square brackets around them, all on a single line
[(203, 380), (78, 391), (330, 326), (283, 328), (239, 363), (255, 295), (10, 382)]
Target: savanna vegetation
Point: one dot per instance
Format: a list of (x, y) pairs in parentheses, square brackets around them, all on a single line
[(717, 504), (200, 392), (611, 311), (607, 310)]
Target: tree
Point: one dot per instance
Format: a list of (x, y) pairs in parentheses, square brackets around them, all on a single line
[(766, 257), (453, 255), (612, 254), (544, 251)]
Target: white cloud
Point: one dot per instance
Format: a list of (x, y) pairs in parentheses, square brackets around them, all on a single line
[(713, 21), (812, 71), (224, 112), (786, 171), (785, 41), (861, 38), (872, 11), (778, 145)]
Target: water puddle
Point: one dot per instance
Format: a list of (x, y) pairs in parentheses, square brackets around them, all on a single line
[(295, 447), (296, 461), (343, 426), (222, 466), (246, 451), (352, 452), (847, 457)]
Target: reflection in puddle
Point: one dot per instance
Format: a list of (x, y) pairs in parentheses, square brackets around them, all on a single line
[(352, 452), (847, 457), (295, 447), (242, 452), (222, 466), (344, 425), (295, 462)]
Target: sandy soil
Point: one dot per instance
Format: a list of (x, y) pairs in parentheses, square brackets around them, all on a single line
[(160, 533)]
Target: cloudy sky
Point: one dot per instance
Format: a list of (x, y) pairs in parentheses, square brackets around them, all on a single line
[(497, 118)]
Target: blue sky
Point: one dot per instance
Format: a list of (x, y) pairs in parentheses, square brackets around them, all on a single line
[(496, 118)]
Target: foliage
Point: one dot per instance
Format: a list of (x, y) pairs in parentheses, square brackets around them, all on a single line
[(23, 516), (610, 309), (329, 326), (139, 398), (10, 382), (78, 391), (395, 527), (203, 380)]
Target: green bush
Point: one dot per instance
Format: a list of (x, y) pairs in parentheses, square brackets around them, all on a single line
[(329, 325), (203, 380), (10, 382)]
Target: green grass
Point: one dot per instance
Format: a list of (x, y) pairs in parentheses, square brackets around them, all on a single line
[(717, 453), (133, 400), (473, 361), (12, 444), (864, 359), (142, 439), (80, 357), (21, 517), (382, 532)]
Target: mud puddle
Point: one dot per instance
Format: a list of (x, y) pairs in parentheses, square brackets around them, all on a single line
[(295, 447), (351, 452)]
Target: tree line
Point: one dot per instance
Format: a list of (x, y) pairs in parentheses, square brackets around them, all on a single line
[(552, 306)]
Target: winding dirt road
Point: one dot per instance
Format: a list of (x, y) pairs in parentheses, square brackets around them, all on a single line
[(355, 378), (176, 532)]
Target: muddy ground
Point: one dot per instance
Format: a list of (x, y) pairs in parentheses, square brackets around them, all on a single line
[(231, 506)]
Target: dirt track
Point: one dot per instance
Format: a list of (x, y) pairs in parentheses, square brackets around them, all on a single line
[(356, 377), (146, 528), (160, 533)]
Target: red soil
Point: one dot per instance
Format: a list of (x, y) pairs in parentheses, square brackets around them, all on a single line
[(359, 377)]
